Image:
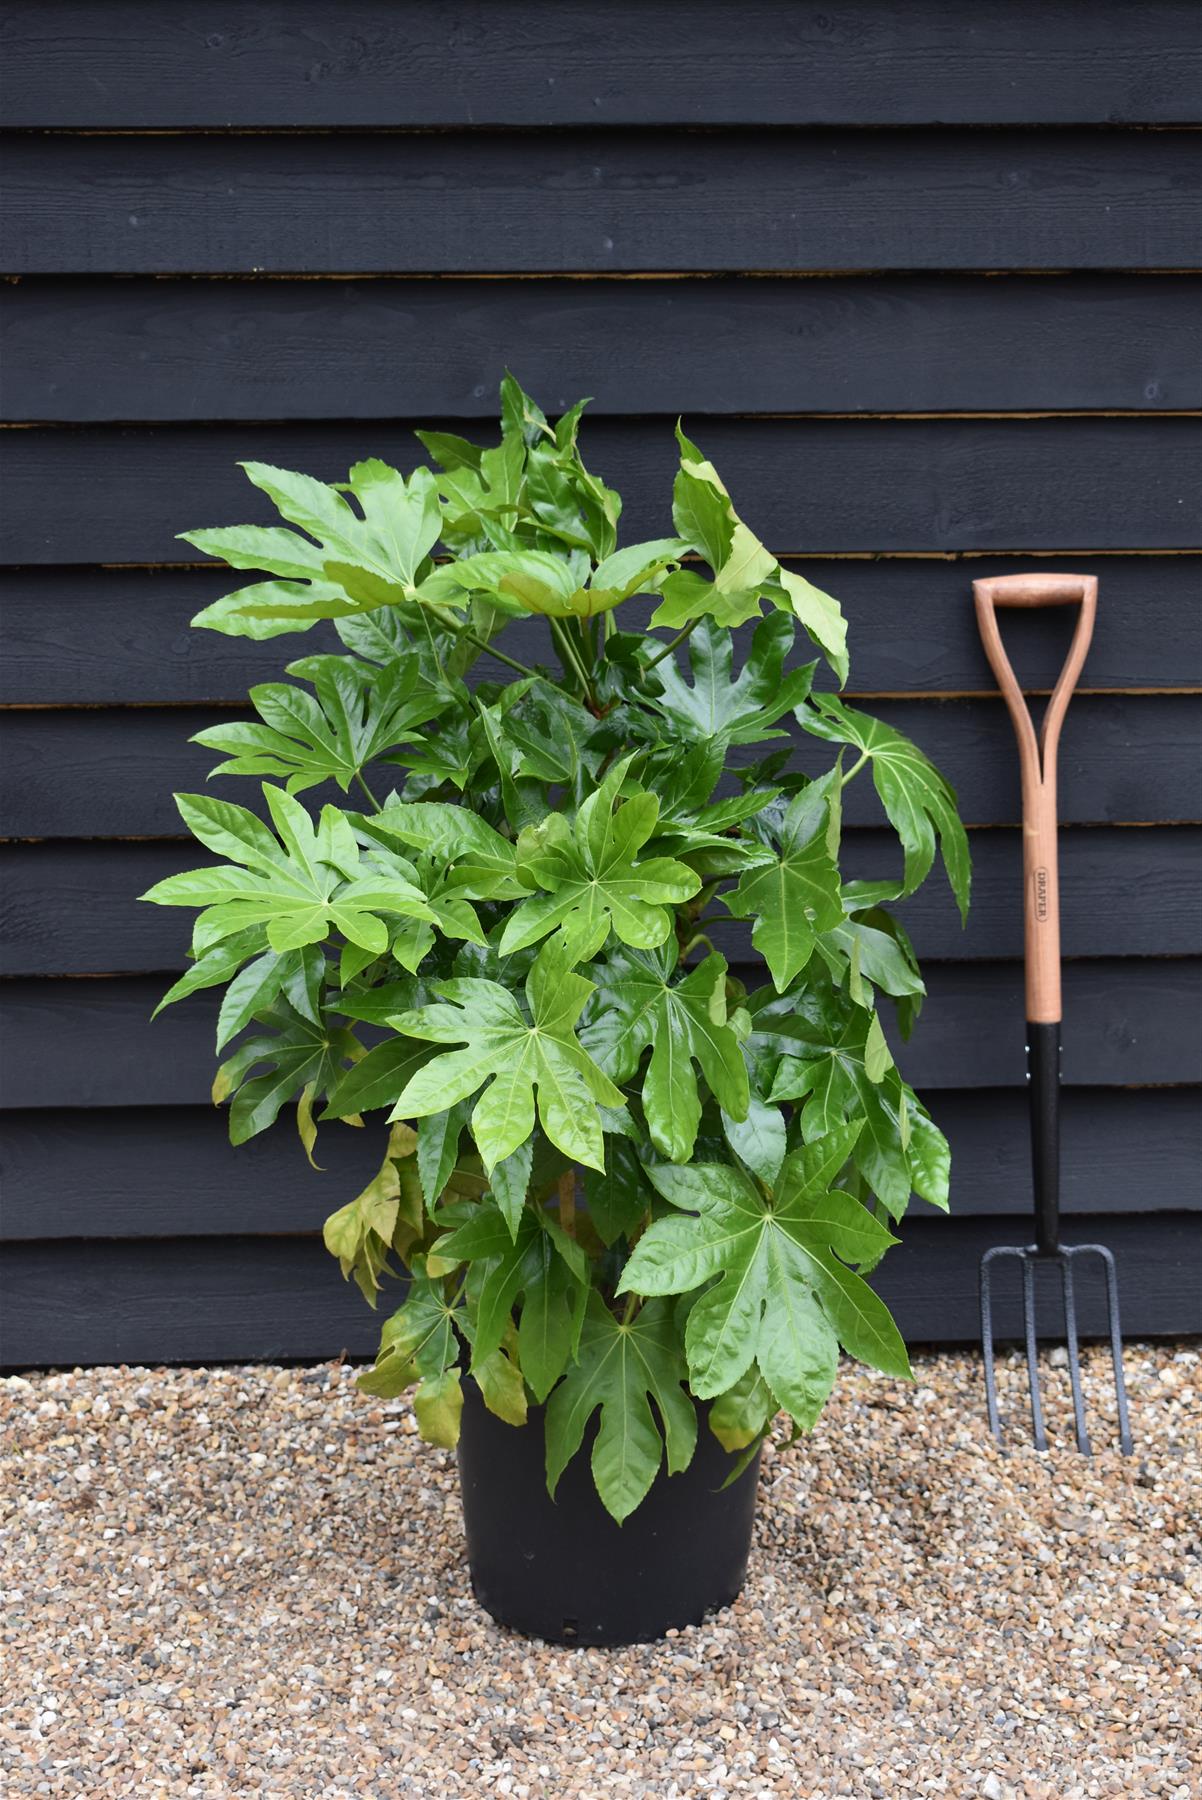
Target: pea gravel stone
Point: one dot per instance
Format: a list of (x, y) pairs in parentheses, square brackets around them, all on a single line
[(250, 1582)]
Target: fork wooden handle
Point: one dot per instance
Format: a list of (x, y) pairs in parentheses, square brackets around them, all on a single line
[(1037, 761)]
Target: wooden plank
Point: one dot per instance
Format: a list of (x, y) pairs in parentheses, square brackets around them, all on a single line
[(560, 62), (254, 1299), (70, 908), (601, 203), (823, 486), (121, 635), (98, 351), (112, 772), (92, 1042), (172, 1171)]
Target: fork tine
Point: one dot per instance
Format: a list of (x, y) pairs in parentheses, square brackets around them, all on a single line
[(1074, 1361), (1114, 1332), (1041, 1442), (991, 1411)]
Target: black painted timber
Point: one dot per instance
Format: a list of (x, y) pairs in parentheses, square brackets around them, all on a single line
[(262, 1299), (240, 229), (79, 635), (112, 772), (561, 62), (91, 1042), (591, 202), (812, 486), (69, 908), (171, 1171), (98, 351)]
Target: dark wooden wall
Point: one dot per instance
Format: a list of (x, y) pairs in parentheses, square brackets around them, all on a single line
[(918, 277)]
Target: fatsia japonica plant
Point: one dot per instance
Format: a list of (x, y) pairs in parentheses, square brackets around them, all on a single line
[(617, 1173)]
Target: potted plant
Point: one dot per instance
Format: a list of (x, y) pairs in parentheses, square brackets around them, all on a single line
[(635, 1198)]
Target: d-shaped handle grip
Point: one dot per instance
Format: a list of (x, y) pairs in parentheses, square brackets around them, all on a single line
[(1037, 590), (1037, 760)]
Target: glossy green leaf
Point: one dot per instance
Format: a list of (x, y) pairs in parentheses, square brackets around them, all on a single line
[(621, 1369), (643, 1001), (782, 1297), (794, 897), (592, 878), (356, 715), (743, 709), (919, 801), (521, 1058)]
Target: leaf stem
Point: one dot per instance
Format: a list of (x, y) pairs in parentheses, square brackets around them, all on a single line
[(567, 1202), (362, 780), (447, 618), (491, 650), (672, 644), (567, 651), (854, 770), (632, 1300)]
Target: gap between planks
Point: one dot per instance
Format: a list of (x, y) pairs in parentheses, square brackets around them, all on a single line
[(862, 416), (866, 272), (589, 128), (851, 693), (980, 827)]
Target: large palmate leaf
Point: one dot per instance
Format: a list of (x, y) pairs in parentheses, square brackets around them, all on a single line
[(537, 1262), (639, 1002), (796, 895), (301, 890), (560, 495), (476, 856), (564, 588), (552, 737), (920, 802), (522, 1056), (743, 569), (592, 878), (784, 1297), (357, 715), (621, 1368), (420, 1343), (350, 561), (841, 1067), (303, 1061), (388, 1215), (742, 709)]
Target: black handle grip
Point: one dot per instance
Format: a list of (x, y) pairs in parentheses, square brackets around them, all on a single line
[(1043, 1075)]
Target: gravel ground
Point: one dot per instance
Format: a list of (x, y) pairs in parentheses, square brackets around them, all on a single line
[(250, 1582)]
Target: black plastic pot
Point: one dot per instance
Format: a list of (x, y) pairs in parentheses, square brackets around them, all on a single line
[(563, 1570)]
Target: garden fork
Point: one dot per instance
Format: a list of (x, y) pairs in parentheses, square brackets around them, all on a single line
[(1041, 911)]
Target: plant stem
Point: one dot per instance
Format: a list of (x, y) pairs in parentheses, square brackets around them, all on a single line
[(361, 779), (571, 660), (672, 644), (447, 618), (854, 770), (491, 650), (567, 1201)]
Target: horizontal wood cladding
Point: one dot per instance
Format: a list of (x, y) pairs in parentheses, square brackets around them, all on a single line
[(73, 1173), (111, 772), (591, 202), (107, 494), (70, 908), (565, 62), (262, 1300), (121, 636), (98, 351), (1127, 1023), (78, 636)]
